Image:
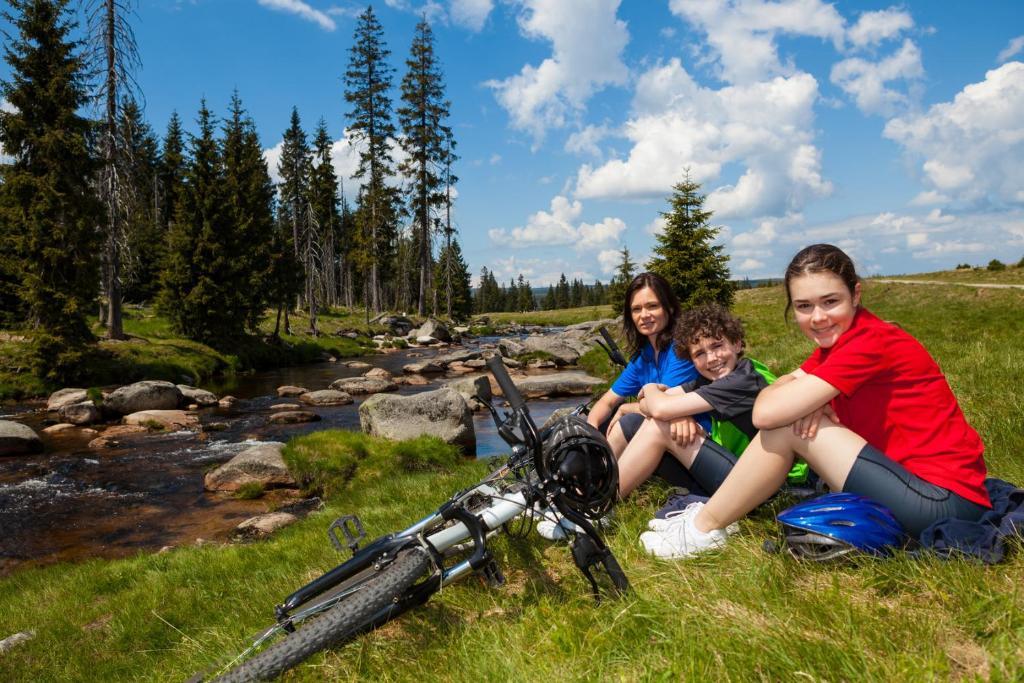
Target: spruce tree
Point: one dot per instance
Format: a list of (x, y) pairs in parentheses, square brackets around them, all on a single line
[(624, 274), (249, 205), (426, 141), (456, 301), (199, 293), (49, 208), (143, 248), (323, 206), (171, 171), (548, 302), (368, 81), (685, 254), (293, 193), (562, 293)]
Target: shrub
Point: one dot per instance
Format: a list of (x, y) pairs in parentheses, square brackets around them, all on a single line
[(250, 490), (324, 462), (1020, 264), (963, 266), (996, 264)]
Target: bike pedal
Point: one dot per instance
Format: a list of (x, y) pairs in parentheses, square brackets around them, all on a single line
[(493, 574), (351, 528)]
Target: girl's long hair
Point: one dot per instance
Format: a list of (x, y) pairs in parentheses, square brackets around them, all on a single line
[(669, 302)]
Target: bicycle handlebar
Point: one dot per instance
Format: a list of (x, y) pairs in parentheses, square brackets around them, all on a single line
[(508, 387), (610, 347)]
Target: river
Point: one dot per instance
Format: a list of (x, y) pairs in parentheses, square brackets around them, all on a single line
[(72, 503)]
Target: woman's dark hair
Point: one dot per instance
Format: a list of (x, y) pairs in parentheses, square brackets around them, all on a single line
[(712, 321), (821, 258), (669, 302)]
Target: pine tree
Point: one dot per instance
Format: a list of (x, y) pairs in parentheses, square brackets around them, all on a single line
[(458, 301), (548, 303), (143, 252), (562, 293), (624, 274), (323, 203), (367, 84), (293, 193), (198, 292), (685, 254), (524, 295), (426, 141), (48, 204), (171, 171), (250, 206)]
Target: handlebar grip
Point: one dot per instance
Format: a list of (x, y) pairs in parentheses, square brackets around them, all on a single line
[(508, 387), (612, 348)]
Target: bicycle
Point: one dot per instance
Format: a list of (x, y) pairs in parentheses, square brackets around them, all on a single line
[(567, 467)]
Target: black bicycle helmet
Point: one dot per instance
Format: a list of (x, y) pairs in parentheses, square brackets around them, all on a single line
[(578, 462)]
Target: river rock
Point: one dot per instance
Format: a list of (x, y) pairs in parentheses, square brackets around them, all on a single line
[(168, 419), (202, 397), (83, 413), (442, 413), (427, 367), (111, 436), (66, 397), (378, 373), (433, 328), (264, 525), (58, 428), (470, 387), (462, 356), (412, 380), (261, 464), (363, 385), (460, 369), (288, 391), (541, 364), (227, 402), (510, 348), (146, 395), (511, 363), (357, 365), (11, 642), (476, 364), (286, 406), (563, 352), (326, 397), (291, 417), (557, 384), (17, 439)]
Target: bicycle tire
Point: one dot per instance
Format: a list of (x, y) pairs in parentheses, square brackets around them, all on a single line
[(342, 621)]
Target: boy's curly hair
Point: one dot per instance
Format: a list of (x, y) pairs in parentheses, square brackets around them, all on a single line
[(710, 320)]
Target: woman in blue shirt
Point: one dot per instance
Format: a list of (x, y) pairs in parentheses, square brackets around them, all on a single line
[(649, 316)]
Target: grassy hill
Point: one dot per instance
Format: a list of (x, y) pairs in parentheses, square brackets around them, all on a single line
[(739, 614)]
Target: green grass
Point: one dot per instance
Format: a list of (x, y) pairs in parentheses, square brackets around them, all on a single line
[(980, 274), (738, 615), (561, 316)]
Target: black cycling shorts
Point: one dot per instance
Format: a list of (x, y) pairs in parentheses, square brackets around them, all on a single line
[(916, 503)]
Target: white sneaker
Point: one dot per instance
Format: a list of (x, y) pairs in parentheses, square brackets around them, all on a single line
[(661, 525), (556, 531), (682, 538)]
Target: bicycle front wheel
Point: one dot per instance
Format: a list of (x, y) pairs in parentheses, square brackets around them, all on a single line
[(342, 621)]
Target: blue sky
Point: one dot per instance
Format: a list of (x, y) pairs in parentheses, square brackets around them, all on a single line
[(895, 131)]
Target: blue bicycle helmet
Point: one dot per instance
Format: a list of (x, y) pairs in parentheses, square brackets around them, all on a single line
[(837, 524)]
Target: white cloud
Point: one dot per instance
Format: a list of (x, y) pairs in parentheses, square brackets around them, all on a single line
[(972, 148), (749, 266), (765, 127), (585, 141), (303, 10), (742, 33), (471, 14), (609, 260), (867, 81), (656, 226), (10, 109), (1015, 47), (587, 43), (874, 27), (928, 198), (558, 227), (494, 160)]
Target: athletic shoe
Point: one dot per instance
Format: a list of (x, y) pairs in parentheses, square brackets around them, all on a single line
[(559, 530), (682, 539), (661, 524)]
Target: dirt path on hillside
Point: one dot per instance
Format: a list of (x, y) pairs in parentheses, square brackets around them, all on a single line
[(942, 282)]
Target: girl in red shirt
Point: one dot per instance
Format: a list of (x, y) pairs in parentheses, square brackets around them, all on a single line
[(869, 410)]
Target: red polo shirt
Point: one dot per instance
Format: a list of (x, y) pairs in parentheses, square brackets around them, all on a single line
[(892, 393)]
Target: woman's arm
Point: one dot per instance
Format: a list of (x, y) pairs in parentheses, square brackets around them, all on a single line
[(664, 406), (790, 398), (604, 408)]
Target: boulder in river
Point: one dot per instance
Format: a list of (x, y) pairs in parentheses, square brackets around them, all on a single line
[(146, 395), (66, 397), (326, 397), (364, 385), (357, 365), (201, 397), (556, 384), (412, 380), (432, 328), (18, 439), (288, 391), (83, 413), (261, 464), (428, 367), (167, 419), (292, 417), (442, 413), (471, 387)]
